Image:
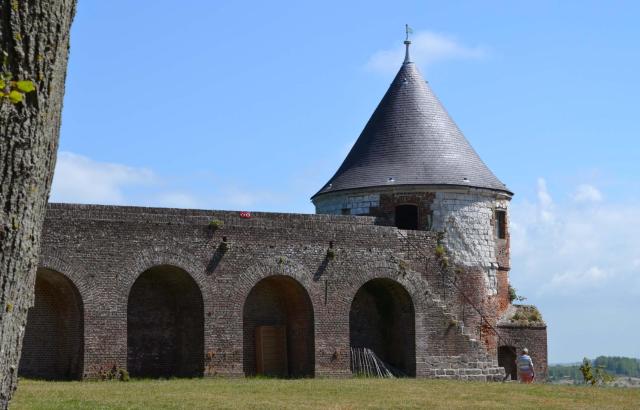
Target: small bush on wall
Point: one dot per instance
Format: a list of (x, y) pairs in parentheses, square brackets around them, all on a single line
[(215, 224)]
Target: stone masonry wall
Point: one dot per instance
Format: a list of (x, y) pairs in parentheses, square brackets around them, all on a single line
[(467, 215), (102, 250)]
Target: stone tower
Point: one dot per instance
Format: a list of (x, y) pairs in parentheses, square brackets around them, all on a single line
[(413, 168)]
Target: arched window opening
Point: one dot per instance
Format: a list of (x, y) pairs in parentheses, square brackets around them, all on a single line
[(406, 217), (53, 345), (165, 325), (278, 329), (382, 321)]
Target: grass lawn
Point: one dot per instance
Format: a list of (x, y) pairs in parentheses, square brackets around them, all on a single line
[(315, 394)]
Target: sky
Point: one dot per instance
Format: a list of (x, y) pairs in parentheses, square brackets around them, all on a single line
[(253, 105)]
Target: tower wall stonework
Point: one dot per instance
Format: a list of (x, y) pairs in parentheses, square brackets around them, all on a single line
[(107, 248), (466, 215)]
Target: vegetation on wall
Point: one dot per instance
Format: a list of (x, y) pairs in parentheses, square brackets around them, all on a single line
[(215, 224), (526, 315), (513, 295)]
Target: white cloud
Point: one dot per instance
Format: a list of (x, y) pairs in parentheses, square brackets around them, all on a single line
[(579, 262), (568, 282), (79, 179), (427, 48), (561, 247), (587, 193), (82, 180), (545, 202)]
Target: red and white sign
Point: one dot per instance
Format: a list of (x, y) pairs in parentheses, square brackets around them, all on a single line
[(245, 214)]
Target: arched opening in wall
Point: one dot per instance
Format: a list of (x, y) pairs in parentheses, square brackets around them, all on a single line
[(278, 329), (53, 345), (165, 325), (406, 217), (382, 319), (507, 358)]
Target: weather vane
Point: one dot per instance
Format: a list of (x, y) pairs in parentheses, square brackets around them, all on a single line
[(408, 30)]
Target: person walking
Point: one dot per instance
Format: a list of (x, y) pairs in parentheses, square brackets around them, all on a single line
[(526, 373)]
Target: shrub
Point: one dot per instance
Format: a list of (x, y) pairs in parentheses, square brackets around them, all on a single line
[(535, 316), (215, 224), (594, 375), (513, 295), (439, 251), (526, 315), (331, 254), (444, 262), (114, 373)]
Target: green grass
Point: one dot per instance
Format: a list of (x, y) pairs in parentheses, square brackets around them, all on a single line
[(315, 393)]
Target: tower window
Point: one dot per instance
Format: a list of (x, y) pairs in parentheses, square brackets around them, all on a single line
[(407, 217), (501, 224)]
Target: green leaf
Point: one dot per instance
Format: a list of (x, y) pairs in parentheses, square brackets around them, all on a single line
[(2, 84), (16, 96), (25, 86), (7, 75)]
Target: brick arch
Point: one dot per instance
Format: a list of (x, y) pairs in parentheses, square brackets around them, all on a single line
[(413, 282), (278, 319), (53, 344), (165, 324), (418, 295), (75, 274), (147, 259), (276, 265), (165, 292)]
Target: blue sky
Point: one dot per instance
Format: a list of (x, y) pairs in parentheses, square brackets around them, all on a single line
[(238, 105)]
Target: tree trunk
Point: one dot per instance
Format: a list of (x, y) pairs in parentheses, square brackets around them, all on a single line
[(34, 44)]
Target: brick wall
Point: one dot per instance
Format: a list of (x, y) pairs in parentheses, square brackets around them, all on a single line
[(103, 250), (534, 338)]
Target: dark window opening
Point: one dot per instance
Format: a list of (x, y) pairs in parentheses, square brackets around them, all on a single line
[(407, 217), (507, 359), (165, 325), (346, 211), (501, 224)]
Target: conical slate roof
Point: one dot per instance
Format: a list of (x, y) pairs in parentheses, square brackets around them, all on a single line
[(411, 140)]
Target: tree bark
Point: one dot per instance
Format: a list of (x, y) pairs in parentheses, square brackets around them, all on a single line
[(34, 34)]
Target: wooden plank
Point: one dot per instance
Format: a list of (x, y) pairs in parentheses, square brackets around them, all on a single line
[(271, 351)]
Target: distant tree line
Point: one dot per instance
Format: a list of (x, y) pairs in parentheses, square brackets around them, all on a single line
[(618, 366)]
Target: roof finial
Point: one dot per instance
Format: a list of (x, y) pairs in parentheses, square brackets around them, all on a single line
[(407, 42)]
